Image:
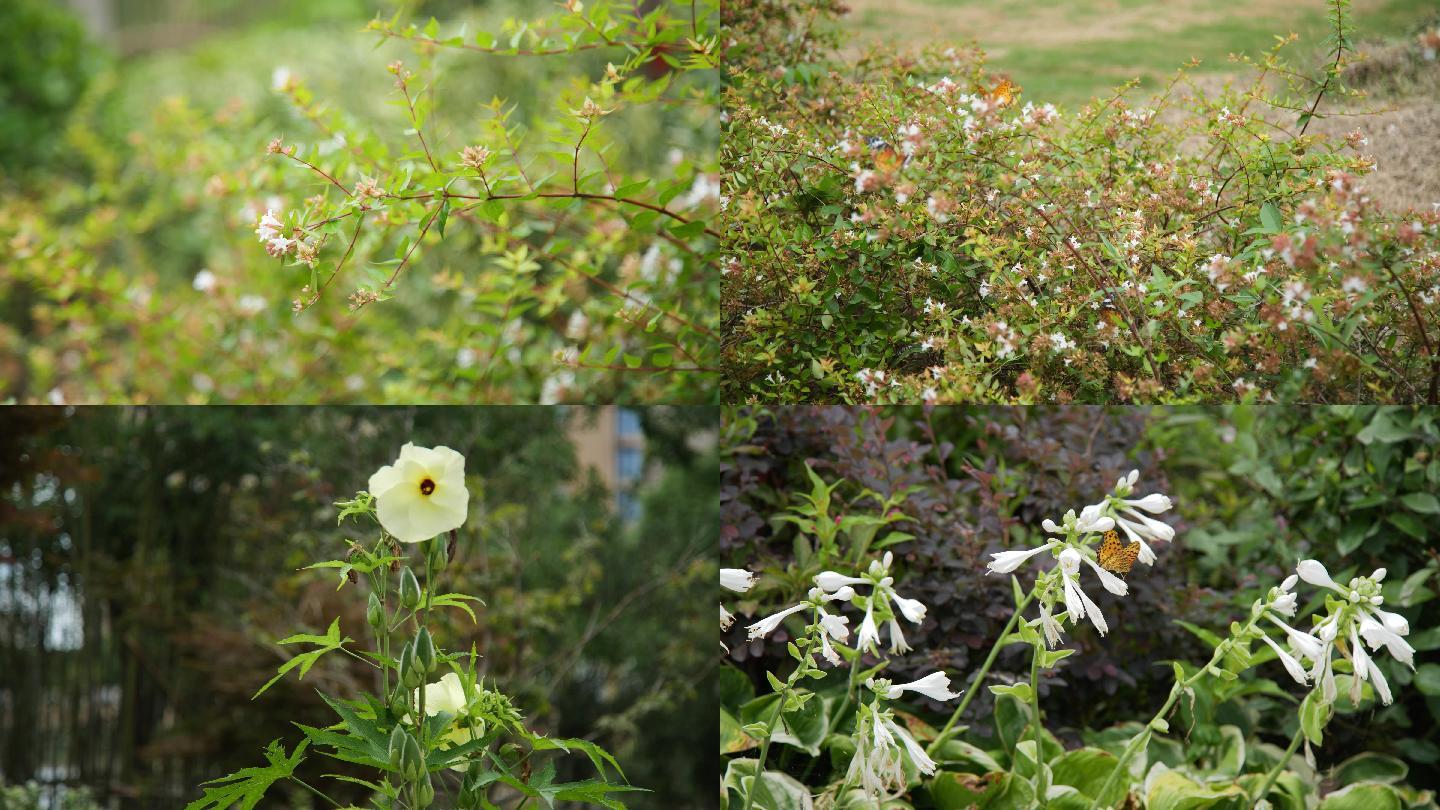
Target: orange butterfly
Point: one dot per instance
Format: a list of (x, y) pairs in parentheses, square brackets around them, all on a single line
[(1116, 557), (1004, 92)]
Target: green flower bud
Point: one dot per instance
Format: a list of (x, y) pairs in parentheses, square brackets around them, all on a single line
[(436, 551), (409, 589), (410, 675), (397, 747), (424, 652), (424, 791), (375, 612), (412, 762)]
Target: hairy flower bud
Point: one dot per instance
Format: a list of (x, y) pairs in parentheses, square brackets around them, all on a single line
[(424, 648), (375, 612), (412, 761), (409, 589), (424, 790), (410, 674), (397, 747)]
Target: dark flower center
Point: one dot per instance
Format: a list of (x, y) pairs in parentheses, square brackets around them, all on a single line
[(427, 486)]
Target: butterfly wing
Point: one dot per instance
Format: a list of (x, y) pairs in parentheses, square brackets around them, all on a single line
[(1116, 557)]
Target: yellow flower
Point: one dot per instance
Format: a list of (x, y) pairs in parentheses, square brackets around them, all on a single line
[(422, 494)]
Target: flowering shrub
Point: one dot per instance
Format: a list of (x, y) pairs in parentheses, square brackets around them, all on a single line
[(425, 734), (907, 227), (549, 246), (854, 717)]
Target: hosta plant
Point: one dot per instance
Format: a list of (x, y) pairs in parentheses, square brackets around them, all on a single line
[(849, 736)]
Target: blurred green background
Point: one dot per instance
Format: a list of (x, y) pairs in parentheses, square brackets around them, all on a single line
[(133, 169), (149, 560)]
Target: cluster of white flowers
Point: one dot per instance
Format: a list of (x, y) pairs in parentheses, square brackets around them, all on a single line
[(1356, 615), (880, 606), (882, 745), (832, 625), (1072, 546)]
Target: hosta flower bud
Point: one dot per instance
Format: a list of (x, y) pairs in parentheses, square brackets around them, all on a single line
[(409, 589), (375, 612), (424, 652)]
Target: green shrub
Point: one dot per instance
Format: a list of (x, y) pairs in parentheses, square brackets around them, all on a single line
[(907, 227)]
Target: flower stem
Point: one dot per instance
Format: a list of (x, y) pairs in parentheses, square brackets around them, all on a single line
[(1279, 766), (979, 675), (775, 716), (1140, 739), (1040, 787), (308, 787)]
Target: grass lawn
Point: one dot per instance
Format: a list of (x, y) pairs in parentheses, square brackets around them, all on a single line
[(1067, 51)]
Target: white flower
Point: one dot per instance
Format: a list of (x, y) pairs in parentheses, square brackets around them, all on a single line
[(1112, 583), (828, 652), (837, 626), (1154, 503), (833, 580), (767, 625), (1285, 604), (1077, 603), (869, 635), (1376, 633), (736, 579), (1313, 572), (935, 686), (897, 639), (922, 761), (1004, 562), (726, 618), (912, 609), (1306, 644), (1049, 626), (422, 494), (1291, 665), (204, 281), (445, 695), (1092, 520), (269, 226)]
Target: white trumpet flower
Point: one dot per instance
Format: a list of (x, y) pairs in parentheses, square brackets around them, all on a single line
[(833, 580), (1004, 562), (1292, 666), (767, 625), (1077, 603), (935, 686), (736, 579)]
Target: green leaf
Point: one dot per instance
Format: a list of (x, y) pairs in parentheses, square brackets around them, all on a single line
[(329, 642), (1270, 218), (1369, 766), (458, 600), (1171, 791), (443, 216), (247, 786), (1086, 769), (1422, 502), (1313, 716), (1427, 679), (1362, 797)]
